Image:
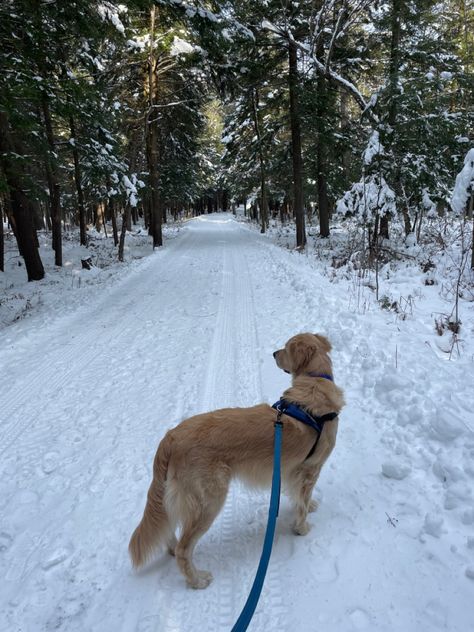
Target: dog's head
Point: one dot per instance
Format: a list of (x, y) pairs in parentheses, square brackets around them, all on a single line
[(304, 353)]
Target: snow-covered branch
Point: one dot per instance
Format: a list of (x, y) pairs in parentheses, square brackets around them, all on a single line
[(323, 67), (464, 186)]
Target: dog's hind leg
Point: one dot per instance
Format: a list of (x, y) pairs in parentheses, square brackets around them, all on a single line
[(203, 506), (301, 488)]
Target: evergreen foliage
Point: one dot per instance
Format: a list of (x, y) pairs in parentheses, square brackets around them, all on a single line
[(144, 109)]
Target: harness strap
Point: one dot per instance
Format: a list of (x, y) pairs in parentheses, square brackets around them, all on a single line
[(317, 423)]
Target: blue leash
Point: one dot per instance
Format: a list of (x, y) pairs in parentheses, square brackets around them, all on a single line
[(252, 600)]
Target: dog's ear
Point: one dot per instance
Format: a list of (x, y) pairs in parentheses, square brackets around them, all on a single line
[(300, 354), (324, 342)]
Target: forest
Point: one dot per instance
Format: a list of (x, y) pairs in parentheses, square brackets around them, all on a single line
[(303, 112)]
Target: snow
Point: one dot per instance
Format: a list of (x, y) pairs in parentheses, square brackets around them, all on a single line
[(108, 11), (395, 470), (181, 47), (446, 76), (130, 189), (428, 205), (374, 148), (365, 198), (464, 184), (88, 393), (98, 64)]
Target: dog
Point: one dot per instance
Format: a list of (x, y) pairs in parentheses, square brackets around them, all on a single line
[(196, 461)]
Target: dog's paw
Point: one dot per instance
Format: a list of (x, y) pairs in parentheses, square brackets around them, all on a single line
[(302, 529), (201, 580), (313, 505)]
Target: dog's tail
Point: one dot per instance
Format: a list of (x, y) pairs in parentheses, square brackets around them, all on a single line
[(155, 527)]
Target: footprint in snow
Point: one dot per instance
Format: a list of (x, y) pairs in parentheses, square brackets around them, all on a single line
[(397, 471), (360, 619), (5, 541), (50, 462), (59, 556), (327, 571)]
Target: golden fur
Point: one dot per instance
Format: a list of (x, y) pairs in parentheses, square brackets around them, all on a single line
[(196, 461)]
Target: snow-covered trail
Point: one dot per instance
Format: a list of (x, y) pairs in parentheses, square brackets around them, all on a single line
[(85, 400)]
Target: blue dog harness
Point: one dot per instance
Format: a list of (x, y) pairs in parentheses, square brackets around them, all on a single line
[(317, 423)]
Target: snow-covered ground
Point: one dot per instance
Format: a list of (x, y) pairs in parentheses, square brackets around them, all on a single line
[(86, 395), (65, 288)]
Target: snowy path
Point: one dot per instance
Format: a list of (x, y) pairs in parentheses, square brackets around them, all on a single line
[(85, 400)]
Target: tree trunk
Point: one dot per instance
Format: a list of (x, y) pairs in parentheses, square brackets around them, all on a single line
[(21, 206), (345, 124), (50, 159), (394, 63), (472, 246), (100, 210), (284, 210), (152, 141), (47, 216), (406, 221), (114, 220), (53, 177), (394, 76), (263, 183), (296, 146), (2, 242), (78, 183), (470, 216), (375, 235), (111, 208), (322, 180), (384, 227), (125, 221)]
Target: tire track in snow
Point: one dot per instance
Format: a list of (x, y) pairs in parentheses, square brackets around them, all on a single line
[(65, 365), (158, 601), (62, 364), (226, 369), (217, 391), (270, 613), (234, 379), (232, 339)]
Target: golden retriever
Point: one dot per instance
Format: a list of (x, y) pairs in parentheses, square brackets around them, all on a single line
[(196, 461)]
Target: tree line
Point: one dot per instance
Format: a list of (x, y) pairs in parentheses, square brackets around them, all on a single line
[(113, 111)]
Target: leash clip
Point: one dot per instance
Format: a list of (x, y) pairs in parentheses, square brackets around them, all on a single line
[(278, 421)]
